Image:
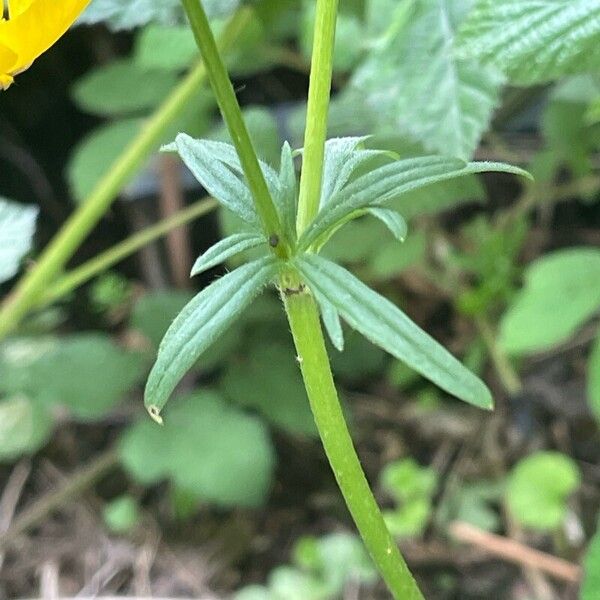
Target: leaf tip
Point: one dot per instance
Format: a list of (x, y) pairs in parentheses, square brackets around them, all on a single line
[(154, 413)]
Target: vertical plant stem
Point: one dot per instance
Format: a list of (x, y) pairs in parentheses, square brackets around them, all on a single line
[(76, 229), (316, 372), (317, 112), (232, 115)]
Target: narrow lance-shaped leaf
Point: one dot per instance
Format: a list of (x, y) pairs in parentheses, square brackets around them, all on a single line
[(200, 323), (225, 249), (332, 322), (288, 190), (391, 181), (215, 175), (388, 327), (393, 220), (534, 41)]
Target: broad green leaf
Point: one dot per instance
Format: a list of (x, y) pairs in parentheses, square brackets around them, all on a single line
[(267, 380), (392, 220), (335, 559), (17, 226), (207, 448), (213, 165), (405, 479), (538, 488), (226, 249), (200, 324), (561, 293), (388, 183), (388, 327), (414, 82), (591, 569), (121, 514), (534, 41), (25, 426), (70, 372), (128, 14), (168, 47), (121, 88), (593, 379), (95, 154)]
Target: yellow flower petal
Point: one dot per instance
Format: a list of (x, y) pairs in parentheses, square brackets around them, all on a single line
[(33, 27)]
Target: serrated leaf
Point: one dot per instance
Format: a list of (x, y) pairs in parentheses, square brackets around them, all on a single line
[(207, 447), (225, 249), (561, 292), (388, 183), (200, 323), (17, 227), (414, 82), (122, 87), (388, 327), (393, 220), (128, 14), (534, 41), (538, 488)]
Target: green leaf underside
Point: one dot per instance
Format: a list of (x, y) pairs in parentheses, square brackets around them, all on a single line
[(226, 249), (389, 182), (289, 190), (534, 41), (415, 83), (211, 165), (200, 323), (332, 322), (388, 327), (17, 226), (393, 220)]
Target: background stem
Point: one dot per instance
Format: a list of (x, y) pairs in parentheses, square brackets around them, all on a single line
[(85, 218), (314, 362), (100, 263), (317, 113), (232, 115)]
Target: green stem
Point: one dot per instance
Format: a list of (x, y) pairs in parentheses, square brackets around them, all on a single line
[(232, 115), (319, 92), (314, 362), (100, 263), (76, 229)]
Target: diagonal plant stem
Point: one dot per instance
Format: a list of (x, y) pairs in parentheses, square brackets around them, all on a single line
[(66, 242), (232, 115), (321, 72), (103, 261)]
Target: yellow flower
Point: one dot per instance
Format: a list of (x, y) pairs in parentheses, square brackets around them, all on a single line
[(31, 27)]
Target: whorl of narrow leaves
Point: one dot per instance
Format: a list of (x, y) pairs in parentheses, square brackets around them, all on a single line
[(534, 41)]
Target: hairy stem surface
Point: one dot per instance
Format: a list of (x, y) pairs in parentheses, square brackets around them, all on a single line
[(303, 317)]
